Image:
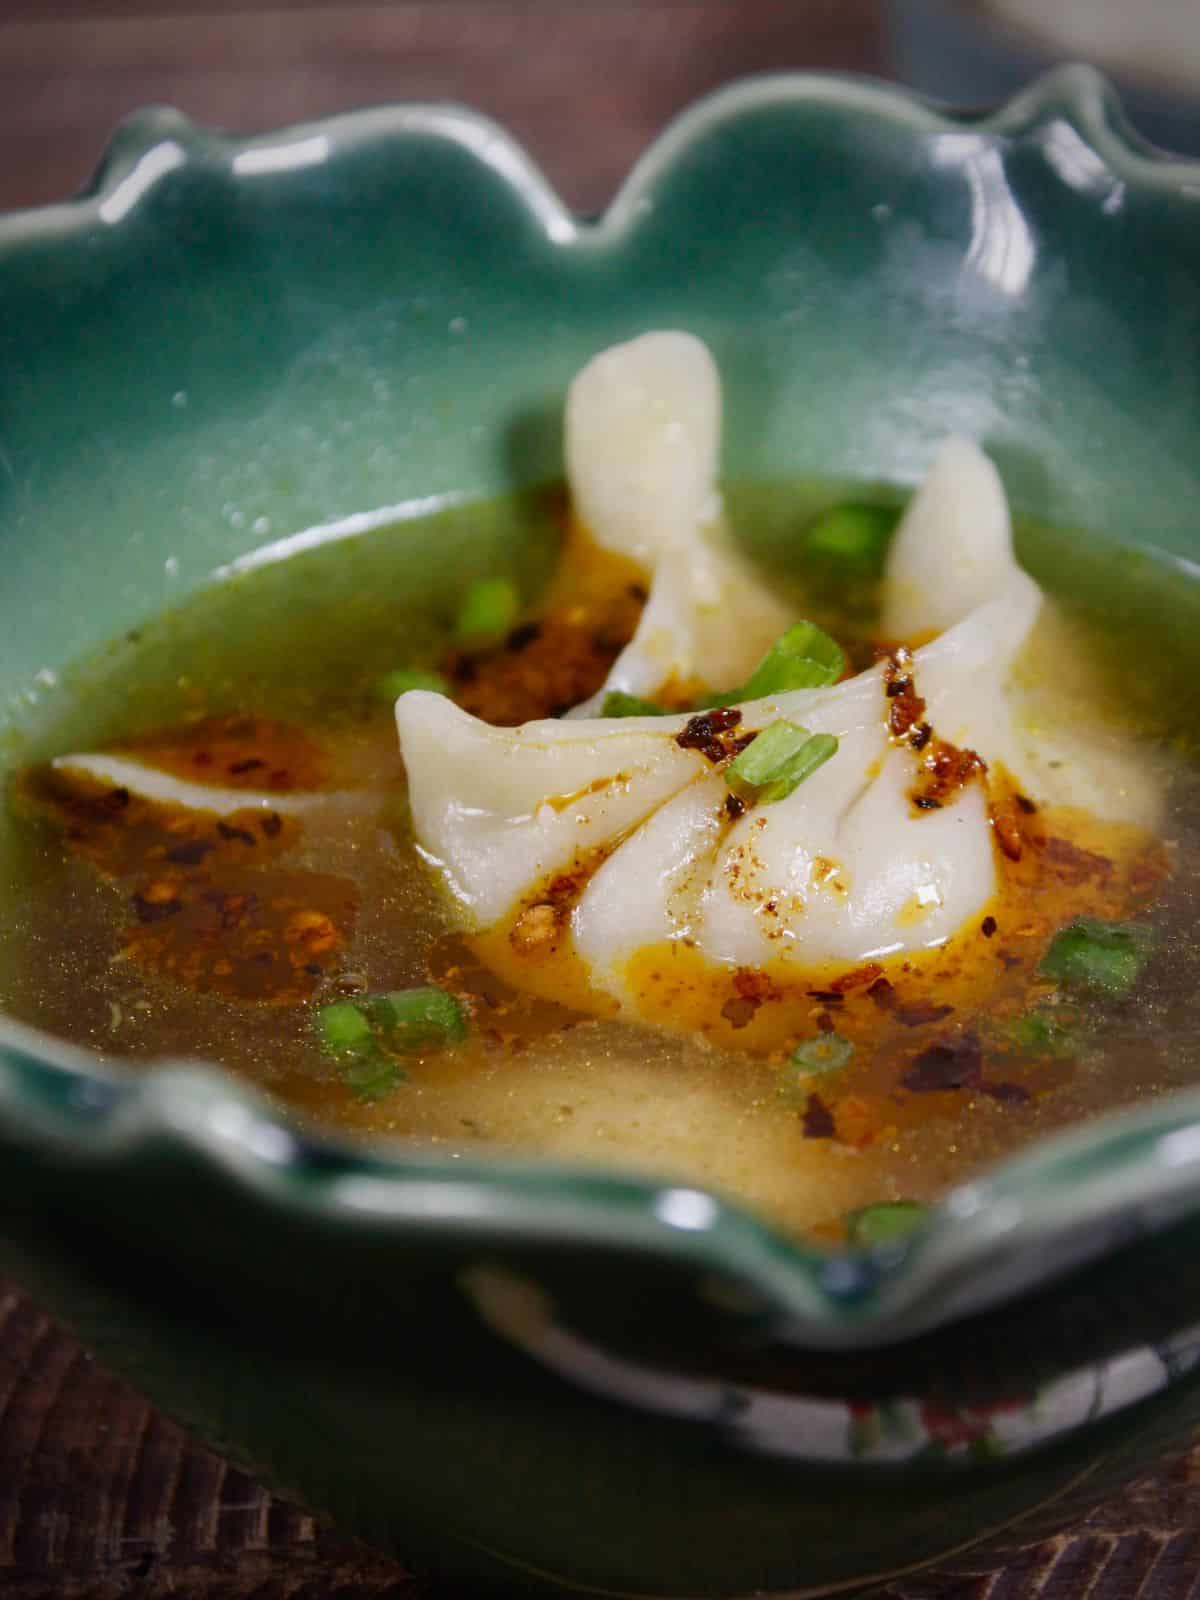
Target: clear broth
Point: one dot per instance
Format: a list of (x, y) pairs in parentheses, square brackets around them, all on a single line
[(340, 904)]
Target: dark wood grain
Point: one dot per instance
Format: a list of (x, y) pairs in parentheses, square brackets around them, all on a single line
[(100, 1497), (584, 86)]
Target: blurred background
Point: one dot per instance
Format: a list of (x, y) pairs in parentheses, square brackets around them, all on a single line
[(583, 84)]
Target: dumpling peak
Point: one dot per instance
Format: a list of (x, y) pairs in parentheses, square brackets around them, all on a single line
[(953, 549), (643, 435)]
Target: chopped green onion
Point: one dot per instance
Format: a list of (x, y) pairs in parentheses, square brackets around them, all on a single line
[(617, 703), (826, 1053), (412, 1020), (370, 1032), (805, 657), (778, 761), (885, 1223), (488, 610), (344, 1030), (376, 1076), (1040, 1033), (851, 536), (1103, 958), (393, 684)]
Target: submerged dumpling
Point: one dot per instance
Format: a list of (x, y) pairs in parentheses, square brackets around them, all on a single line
[(624, 834), (643, 434)]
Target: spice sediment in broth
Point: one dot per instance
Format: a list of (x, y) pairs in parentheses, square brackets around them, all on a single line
[(223, 936)]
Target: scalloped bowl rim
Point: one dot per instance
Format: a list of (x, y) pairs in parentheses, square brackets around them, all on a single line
[(74, 1103)]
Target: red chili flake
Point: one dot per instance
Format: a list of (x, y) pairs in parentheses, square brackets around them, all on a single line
[(829, 997), (988, 927), (907, 707), (520, 637), (191, 853), (945, 770), (734, 808), (1008, 834), (752, 985), (563, 889), (918, 1016), (826, 1024), (250, 764), (883, 993), (1074, 864), (154, 910), (906, 711), (739, 1011), (817, 1119), (1025, 803), (705, 732), (271, 824), (638, 592), (202, 758), (117, 799), (857, 978), (228, 831), (949, 1064), (1008, 1093)]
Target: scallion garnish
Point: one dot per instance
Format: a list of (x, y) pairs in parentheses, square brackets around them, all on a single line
[(805, 657), (852, 537), (343, 1030), (488, 611), (1038, 1032), (885, 1223), (393, 684), (617, 703), (375, 1076), (826, 1053), (369, 1033), (1102, 958), (413, 1020), (778, 761)]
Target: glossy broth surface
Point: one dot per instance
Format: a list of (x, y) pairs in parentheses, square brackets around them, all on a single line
[(145, 931)]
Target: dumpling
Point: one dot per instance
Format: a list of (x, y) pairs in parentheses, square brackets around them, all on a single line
[(643, 434), (952, 552), (619, 835), (842, 869), (953, 548), (164, 788)]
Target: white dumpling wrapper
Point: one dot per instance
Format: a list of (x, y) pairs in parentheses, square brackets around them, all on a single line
[(499, 811), (953, 548), (643, 436), (165, 788), (952, 551), (840, 871)]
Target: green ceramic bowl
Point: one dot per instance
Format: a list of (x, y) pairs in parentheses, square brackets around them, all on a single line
[(508, 1368)]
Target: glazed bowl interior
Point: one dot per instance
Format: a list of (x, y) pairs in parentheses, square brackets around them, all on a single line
[(231, 350)]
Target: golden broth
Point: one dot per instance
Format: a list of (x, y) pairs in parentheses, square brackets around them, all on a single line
[(195, 935)]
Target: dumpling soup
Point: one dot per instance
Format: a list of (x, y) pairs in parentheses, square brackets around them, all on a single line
[(821, 881)]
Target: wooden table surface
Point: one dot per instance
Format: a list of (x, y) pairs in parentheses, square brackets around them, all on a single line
[(100, 1496)]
